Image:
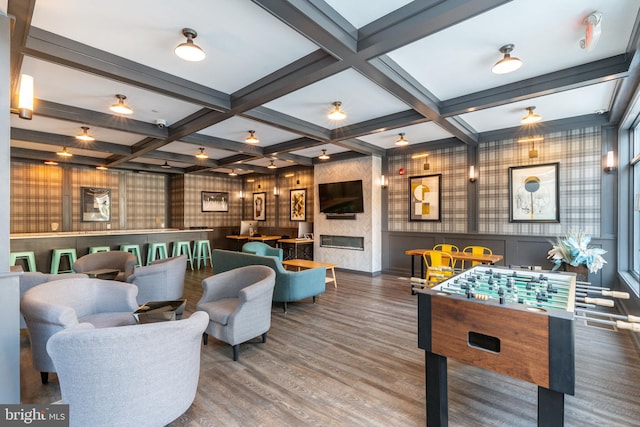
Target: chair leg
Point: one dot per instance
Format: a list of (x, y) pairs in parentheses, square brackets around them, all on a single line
[(314, 299), (205, 338), (264, 337), (285, 307), (235, 352), (44, 377)]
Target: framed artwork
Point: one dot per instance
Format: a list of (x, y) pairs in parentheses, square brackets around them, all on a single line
[(534, 193), (425, 197), (214, 201), (260, 206), (96, 204), (298, 205)]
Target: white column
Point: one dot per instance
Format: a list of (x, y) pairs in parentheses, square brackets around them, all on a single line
[(9, 287)]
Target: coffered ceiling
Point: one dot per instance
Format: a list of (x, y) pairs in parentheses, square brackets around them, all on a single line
[(421, 67)]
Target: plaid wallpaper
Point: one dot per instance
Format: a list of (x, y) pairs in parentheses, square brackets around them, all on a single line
[(39, 192), (451, 163), (578, 152), (138, 201), (278, 212), (36, 197)]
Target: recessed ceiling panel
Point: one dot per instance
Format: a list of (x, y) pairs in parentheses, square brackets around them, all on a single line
[(237, 129), (415, 134), (62, 127), (361, 100), (576, 102), (546, 34), (88, 91), (54, 148), (361, 12), (242, 41), (317, 150), (188, 149)]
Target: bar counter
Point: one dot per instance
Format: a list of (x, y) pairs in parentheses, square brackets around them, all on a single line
[(43, 243)]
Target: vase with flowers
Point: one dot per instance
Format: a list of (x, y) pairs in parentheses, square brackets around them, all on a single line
[(573, 252)]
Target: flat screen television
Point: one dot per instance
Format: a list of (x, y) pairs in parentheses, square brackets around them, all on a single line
[(341, 197)]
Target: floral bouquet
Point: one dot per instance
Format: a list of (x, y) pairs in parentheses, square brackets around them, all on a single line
[(574, 249)]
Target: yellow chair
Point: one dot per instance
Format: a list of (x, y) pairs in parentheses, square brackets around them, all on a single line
[(444, 247), (476, 250), (439, 266)]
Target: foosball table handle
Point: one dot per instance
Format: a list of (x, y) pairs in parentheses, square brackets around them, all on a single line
[(633, 327), (615, 294), (599, 301), (633, 319)]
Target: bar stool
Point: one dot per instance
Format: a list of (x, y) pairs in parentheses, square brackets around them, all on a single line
[(183, 248), (134, 249), (202, 249), (70, 253), (156, 251), (94, 249), (28, 256)]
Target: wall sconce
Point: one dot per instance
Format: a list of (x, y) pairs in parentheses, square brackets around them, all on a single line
[(275, 191), (533, 153), (383, 181), (610, 165), (25, 98), (472, 174), (240, 195)]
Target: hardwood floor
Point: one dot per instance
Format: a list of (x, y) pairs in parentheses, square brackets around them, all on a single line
[(352, 360)]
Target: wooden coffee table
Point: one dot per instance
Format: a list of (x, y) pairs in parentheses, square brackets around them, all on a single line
[(305, 263)]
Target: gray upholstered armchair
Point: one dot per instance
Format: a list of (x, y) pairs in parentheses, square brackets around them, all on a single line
[(54, 306), (30, 279), (142, 375), (238, 303), (116, 260), (260, 248), (161, 280)]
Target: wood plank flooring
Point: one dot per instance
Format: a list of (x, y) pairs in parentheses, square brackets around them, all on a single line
[(352, 360)]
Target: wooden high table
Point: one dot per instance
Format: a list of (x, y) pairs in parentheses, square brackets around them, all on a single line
[(305, 263), (458, 256), (306, 254), (240, 237)]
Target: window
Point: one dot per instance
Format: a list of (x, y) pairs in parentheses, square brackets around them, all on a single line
[(634, 205)]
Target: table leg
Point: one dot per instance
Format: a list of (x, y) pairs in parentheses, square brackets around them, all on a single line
[(412, 266), (436, 390), (550, 408), (333, 272)]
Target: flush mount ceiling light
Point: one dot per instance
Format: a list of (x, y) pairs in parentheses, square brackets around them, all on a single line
[(84, 136), (271, 165), (202, 155), (50, 163), (233, 173), (64, 152), (402, 140), (324, 155), (337, 113), (120, 107), (252, 139), (189, 51), (508, 63), (25, 98), (531, 117), (102, 168), (166, 165)]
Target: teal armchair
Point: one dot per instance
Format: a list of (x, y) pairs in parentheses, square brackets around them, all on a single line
[(259, 248), (290, 285)]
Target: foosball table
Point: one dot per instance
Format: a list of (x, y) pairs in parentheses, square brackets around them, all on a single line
[(518, 323)]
